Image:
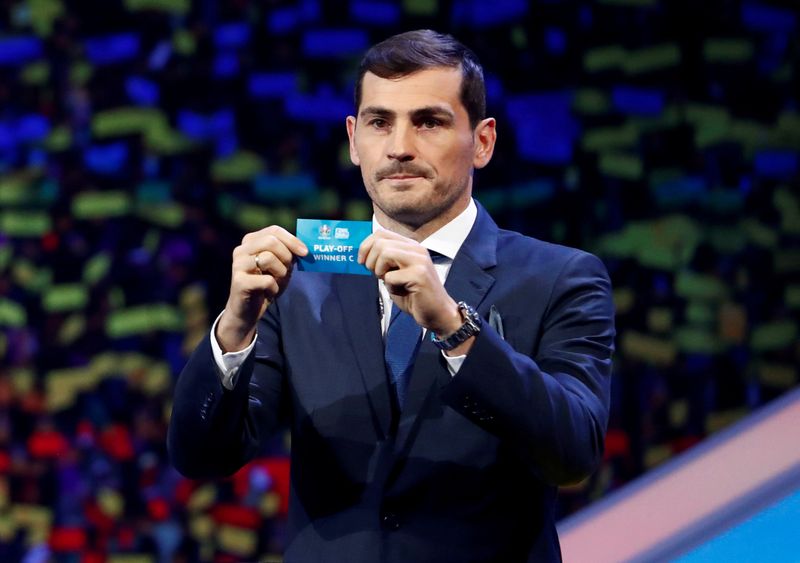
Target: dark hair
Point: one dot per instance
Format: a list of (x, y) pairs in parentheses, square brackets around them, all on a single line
[(409, 52)]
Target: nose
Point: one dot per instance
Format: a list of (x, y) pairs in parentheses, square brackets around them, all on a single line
[(400, 144)]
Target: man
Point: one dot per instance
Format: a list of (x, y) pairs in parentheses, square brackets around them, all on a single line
[(452, 448)]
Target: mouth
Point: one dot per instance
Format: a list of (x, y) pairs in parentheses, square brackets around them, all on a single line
[(401, 177)]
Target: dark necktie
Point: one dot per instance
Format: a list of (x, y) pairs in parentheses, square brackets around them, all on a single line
[(402, 342)]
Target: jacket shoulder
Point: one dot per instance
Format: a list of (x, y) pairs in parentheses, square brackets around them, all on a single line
[(519, 249)]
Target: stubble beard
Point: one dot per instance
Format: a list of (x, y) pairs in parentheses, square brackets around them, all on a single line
[(419, 211)]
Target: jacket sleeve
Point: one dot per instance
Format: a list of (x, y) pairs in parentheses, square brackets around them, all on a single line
[(214, 431), (551, 405)]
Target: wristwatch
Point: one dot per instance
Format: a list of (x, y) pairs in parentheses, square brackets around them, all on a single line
[(471, 326)]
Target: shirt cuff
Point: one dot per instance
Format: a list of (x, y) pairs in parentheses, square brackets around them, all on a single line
[(228, 363), (454, 362)]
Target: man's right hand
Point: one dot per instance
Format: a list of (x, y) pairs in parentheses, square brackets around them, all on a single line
[(262, 266)]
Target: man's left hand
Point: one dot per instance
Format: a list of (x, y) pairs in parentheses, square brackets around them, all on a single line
[(406, 269)]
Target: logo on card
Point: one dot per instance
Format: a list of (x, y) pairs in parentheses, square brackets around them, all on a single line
[(324, 231), (341, 233)]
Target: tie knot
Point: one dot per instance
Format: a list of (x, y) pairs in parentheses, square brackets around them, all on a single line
[(436, 257)]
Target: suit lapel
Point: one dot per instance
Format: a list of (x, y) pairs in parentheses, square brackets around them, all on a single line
[(467, 281), (358, 297)]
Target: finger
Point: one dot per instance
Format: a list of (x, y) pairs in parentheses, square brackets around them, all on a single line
[(397, 253), (374, 252), (268, 263), (404, 260), (365, 248), (266, 244), (379, 235), (294, 244), (379, 246), (250, 284), (273, 238), (376, 247), (386, 234), (397, 282), (244, 262)]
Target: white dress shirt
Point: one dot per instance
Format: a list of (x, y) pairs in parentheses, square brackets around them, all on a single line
[(446, 241)]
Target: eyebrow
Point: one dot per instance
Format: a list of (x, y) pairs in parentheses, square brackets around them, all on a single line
[(426, 111), (376, 110)]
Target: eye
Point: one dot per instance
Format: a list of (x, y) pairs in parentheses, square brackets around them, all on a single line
[(378, 123), (431, 123)]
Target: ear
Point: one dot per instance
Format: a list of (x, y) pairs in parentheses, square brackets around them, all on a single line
[(485, 136), (350, 122)]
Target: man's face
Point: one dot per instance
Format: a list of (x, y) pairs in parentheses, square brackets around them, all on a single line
[(413, 141)]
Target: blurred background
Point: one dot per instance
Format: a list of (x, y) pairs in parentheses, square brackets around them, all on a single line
[(140, 139)]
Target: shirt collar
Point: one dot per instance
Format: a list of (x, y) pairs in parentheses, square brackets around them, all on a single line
[(447, 240)]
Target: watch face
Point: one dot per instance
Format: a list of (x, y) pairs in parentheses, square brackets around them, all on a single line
[(471, 315), (471, 326)]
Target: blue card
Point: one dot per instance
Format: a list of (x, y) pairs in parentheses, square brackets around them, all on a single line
[(332, 245)]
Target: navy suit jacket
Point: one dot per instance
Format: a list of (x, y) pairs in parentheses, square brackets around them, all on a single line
[(469, 470)]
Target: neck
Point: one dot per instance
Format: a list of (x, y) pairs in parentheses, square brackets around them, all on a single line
[(422, 231)]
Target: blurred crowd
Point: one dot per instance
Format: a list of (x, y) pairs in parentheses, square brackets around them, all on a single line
[(139, 140)]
